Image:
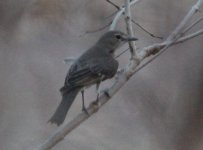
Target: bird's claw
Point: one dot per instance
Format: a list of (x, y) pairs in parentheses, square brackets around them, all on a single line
[(96, 103), (106, 92), (85, 110)]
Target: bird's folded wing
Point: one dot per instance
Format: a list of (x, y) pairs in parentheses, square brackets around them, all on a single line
[(85, 75)]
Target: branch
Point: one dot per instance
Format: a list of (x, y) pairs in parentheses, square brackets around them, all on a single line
[(156, 47), (190, 36), (121, 53), (111, 15), (130, 29), (116, 6), (152, 35), (124, 74), (181, 26), (173, 38), (119, 13), (192, 25)]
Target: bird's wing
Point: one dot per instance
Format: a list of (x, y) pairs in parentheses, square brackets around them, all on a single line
[(92, 73), (85, 76)]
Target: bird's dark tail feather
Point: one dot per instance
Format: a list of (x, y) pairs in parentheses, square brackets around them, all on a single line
[(67, 100)]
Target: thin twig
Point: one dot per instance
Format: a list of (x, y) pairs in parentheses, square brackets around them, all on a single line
[(192, 25), (116, 6), (151, 34), (190, 36), (121, 53), (111, 15), (142, 28), (99, 29)]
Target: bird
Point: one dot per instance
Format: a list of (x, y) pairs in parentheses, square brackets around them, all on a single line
[(94, 66)]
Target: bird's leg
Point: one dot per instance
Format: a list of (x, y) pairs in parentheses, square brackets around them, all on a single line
[(97, 89), (84, 109)]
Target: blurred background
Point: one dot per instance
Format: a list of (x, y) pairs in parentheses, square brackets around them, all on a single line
[(160, 108)]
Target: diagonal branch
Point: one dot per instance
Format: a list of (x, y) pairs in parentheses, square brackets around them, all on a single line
[(161, 45), (190, 36), (163, 48), (116, 6), (180, 27), (192, 25), (151, 34)]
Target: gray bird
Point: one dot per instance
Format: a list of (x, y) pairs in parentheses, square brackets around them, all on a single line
[(92, 67)]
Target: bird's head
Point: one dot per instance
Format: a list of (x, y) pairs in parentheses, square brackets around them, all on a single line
[(111, 40)]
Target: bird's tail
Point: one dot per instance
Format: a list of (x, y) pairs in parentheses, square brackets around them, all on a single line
[(67, 100)]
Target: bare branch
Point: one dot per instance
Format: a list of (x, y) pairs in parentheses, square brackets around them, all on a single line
[(111, 15), (173, 37), (116, 6), (130, 29), (152, 35), (190, 36), (119, 13), (183, 23), (156, 48), (66, 128), (192, 25), (121, 53)]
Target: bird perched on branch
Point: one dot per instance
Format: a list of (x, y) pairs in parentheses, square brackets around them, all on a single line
[(92, 67)]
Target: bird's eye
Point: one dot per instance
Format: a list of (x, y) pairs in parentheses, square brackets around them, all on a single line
[(118, 36)]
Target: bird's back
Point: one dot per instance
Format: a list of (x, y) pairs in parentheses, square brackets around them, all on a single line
[(91, 63)]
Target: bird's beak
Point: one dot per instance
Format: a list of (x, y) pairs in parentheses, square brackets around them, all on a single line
[(127, 38), (132, 39)]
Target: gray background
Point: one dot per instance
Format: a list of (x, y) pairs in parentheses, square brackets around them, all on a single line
[(160, 108)]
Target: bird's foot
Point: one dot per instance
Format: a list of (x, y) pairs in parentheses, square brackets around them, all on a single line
[(106, 92), (96, 103), (85, 110)]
